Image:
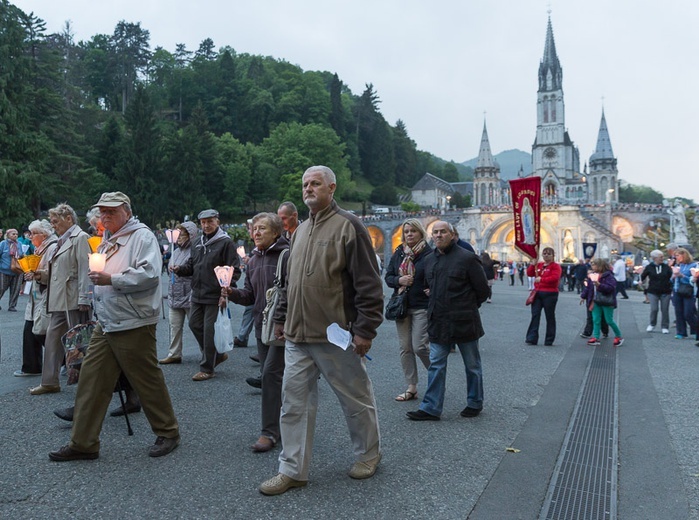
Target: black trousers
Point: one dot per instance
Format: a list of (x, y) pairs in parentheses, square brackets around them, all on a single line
[(545, 301), (32, 349)]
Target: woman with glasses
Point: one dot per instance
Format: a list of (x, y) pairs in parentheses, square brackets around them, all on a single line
[(685, 310)]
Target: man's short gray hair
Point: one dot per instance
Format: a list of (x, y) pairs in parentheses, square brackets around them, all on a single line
[(327, 173), (656, 253), (42, 226), (671, 246)]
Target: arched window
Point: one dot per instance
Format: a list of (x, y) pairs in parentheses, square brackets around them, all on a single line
[(553, 109), (546, 109), (482, 199)]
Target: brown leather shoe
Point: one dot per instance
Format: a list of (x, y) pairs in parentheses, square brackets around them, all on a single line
[(66, 453), (263, 444), (202, 376), (170, 360), (163, 446), (45, 389), (220, 359)]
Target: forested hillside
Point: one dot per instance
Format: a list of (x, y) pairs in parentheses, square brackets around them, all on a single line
[(181, 129)]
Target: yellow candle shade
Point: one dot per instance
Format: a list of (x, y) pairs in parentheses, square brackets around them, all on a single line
[(29, 263), (94, 243)]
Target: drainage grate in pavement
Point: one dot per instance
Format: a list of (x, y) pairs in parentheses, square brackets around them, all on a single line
[(584, 482)]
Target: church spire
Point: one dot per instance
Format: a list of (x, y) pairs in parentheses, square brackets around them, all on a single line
[(604, 144), (550, 72), (485, 156)]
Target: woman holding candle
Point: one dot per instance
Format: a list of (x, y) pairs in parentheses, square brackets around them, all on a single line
[(259, 276), (67, 293), (604, 282), (35, 317), (685, 310), (179, 292)]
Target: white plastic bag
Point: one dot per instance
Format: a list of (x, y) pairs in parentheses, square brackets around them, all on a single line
[(223, 331)]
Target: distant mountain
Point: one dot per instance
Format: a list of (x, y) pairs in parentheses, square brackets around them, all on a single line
[(510, 162)]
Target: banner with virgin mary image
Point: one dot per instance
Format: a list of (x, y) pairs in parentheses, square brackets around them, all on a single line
[(526, 205)]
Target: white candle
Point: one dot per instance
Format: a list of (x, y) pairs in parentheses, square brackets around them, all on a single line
[(97, 261)]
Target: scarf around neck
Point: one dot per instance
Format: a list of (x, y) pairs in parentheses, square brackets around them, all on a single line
[(407, 266)]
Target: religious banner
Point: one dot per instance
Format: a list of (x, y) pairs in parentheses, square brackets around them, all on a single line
[(526, 205), (589, 250)]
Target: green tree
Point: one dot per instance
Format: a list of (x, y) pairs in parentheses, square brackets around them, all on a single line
[(405, 153), (374, 140), (139, 170), (450, 173)]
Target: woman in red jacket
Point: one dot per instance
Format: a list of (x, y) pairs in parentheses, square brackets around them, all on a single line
[(546, 275)]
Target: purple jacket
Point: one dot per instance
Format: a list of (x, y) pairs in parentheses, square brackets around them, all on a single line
[(607, 285)]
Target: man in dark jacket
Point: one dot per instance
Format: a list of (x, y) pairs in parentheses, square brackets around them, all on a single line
[(457, 288), (213, 248)]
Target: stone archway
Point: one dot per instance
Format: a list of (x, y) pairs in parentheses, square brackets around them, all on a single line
[(498, 239)]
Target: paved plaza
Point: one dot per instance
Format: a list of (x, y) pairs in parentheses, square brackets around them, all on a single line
[(456, 468)]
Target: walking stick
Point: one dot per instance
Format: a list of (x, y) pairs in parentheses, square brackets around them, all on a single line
[(120, 391)]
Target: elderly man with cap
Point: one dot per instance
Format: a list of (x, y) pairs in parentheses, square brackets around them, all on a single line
[(213, 248), (127, 299)]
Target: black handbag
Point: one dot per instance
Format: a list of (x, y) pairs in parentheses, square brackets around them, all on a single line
[(397, 306), (685, 290), (605, 300)]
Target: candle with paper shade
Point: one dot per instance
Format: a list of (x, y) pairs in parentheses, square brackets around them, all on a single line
[(241, 251), (172, 235), (29, 263), (224, 273), (593, 276), (94, 243), (97, 261)]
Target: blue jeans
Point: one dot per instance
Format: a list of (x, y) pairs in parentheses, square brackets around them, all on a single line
[(686, 314), (433, 401), (246, 323)]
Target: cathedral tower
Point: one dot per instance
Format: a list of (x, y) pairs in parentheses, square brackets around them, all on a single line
[(486, 175), (602, 176), (554, 156)]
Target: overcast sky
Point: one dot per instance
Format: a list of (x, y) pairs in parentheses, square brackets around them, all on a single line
[(440, 65)]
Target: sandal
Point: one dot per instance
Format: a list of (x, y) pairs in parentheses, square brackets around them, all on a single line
[(406, 396)]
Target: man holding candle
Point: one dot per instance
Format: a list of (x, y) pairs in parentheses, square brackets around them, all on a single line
[(214, 247), (127, 299)]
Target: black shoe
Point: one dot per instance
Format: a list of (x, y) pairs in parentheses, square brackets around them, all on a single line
[(163, 446), (67, 453), (548, 344), (585, 335), (470, 412), (65, 413), (420, 415), (239, 344), (255, 358), (255, 382), (530, 342), (127, 408)]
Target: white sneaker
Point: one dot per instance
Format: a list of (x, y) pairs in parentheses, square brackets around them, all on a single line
[(649, 328), (666, 331)]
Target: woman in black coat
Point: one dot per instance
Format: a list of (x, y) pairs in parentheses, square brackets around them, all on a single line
[(405, 272)]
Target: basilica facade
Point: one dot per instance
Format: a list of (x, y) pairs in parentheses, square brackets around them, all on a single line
[(578, 205)]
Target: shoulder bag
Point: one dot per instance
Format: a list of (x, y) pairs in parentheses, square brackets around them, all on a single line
[(272, 300), (531, 297), (685, 290), (397, 306), (605, 300)]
